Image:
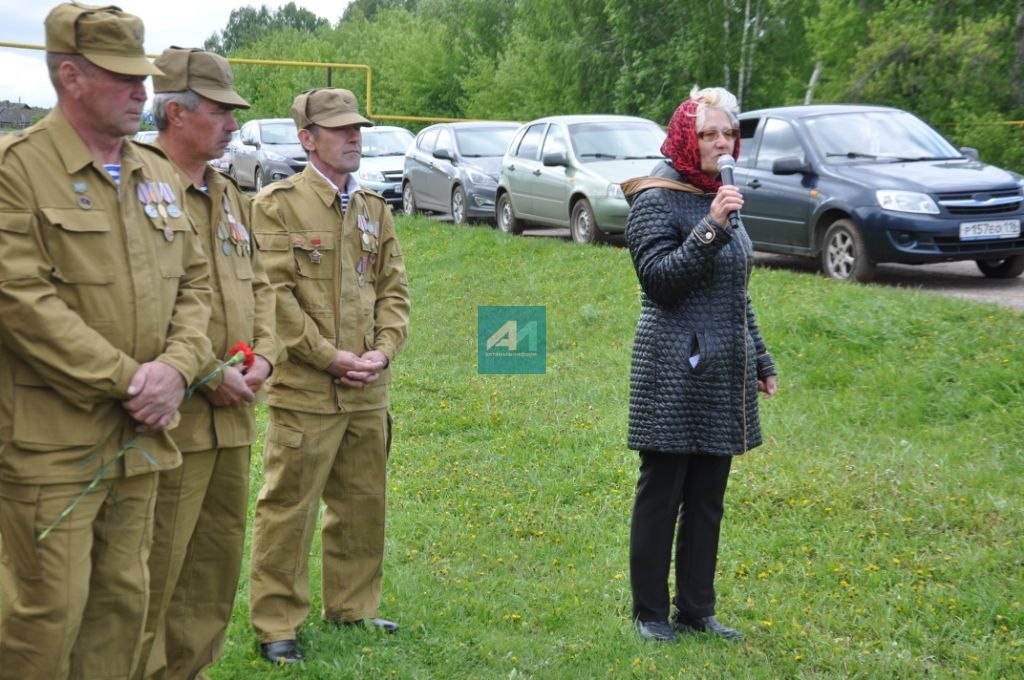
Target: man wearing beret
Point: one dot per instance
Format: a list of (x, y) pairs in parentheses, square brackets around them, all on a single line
[(104, 301), (342, 313), (201, 506)]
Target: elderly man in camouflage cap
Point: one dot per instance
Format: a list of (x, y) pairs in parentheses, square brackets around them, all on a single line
[(104, 301), (201, 506), (342, 314)]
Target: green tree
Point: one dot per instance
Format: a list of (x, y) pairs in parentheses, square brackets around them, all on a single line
[(247, 25)]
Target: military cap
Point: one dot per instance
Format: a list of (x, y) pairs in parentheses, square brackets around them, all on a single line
[(203, 72), (106, 36), (327, 107)]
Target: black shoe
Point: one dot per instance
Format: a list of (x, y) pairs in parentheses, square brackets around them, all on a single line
[(655, 631), (282, 652), (389, 627), (707, 624)]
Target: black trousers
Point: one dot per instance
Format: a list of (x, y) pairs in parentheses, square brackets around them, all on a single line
[(685, 490)]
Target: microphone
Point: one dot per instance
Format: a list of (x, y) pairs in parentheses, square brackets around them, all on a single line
[(726, 164)]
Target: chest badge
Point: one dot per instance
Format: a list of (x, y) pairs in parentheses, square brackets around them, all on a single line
[(315, 255)]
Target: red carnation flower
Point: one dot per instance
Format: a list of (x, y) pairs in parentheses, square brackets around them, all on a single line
[(249, 357)]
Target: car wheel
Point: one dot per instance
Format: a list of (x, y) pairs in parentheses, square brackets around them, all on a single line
[(582, 224), (1006, 268), (257, 178), (459, 206), (507, 220), (408, 200), (844, 256)]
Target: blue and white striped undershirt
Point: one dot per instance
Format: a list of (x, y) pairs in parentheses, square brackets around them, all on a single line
[(114, 170)]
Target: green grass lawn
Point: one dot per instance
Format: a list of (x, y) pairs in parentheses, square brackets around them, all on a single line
[(876, 534)]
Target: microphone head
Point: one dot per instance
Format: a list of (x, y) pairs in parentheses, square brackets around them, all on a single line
[(726, 161)]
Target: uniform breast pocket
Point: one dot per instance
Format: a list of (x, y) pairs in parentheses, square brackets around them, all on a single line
[(81, 245), (314, 254), (169, 247), (243, 268)]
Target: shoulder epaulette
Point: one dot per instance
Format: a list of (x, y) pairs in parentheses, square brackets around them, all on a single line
[(14, 138)]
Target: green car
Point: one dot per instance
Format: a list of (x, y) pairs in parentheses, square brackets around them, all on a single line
[(564, 171)]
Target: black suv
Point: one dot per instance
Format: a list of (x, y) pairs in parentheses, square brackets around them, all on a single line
[(858, 185)]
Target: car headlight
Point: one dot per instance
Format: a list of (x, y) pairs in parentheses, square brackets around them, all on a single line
[(371, 176), (480, 177), (906, 201), (615, 191), (272, 156)]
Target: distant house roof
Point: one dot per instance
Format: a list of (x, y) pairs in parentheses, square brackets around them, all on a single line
[(18, 115)]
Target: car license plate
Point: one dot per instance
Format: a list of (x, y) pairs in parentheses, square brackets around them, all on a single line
[(973, 231)]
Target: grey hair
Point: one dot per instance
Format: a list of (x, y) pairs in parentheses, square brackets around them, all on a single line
[(55, 59), (715, 98), (187, 98)]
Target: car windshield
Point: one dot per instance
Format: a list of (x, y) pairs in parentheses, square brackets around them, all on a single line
[(615, 140), (280, 133), (385, 142), (484, 142), (886, 136)]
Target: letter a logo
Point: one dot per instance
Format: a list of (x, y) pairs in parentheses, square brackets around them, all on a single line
[(505, 336)]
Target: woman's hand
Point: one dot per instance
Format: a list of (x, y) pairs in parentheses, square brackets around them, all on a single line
[(768, 386), (726, 200)]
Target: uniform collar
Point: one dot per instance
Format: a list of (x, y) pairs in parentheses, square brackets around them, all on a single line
[(73, 152), (210, 176), (325, 188)]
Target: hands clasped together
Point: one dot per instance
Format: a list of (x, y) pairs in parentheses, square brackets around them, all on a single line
[(357, 371)]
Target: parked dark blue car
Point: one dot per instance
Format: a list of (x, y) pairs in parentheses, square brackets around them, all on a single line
[(857, 185)]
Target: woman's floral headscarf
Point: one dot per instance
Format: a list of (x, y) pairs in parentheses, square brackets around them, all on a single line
[(683, 148)]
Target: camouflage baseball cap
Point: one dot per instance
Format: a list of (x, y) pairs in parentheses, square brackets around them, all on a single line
[(327, 107), (106, 36), (203, 72)]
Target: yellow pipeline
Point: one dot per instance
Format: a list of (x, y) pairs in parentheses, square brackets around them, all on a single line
[(305, 64)]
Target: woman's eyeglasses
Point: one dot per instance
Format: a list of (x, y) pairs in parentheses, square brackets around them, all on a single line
[(711, 135)]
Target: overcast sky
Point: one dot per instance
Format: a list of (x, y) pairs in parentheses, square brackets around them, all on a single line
[(186, 23)]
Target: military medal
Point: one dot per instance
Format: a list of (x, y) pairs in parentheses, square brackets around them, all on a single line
[(315, 255), (167, 194), (226, 247), (142, 191), (79, 187), (154, 205), (168, 234), (84, 202), (361, 270), (246, 248)]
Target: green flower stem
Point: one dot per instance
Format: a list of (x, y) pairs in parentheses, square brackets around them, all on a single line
[(128, 445), (236, 358)]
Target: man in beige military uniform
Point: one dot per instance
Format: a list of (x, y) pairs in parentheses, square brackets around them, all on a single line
[(342, 313), (201, 506), (104, 299)]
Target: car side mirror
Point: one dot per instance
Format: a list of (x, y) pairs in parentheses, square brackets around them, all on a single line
[(970, 152), (790, 165), (444, 154), (556, 159)]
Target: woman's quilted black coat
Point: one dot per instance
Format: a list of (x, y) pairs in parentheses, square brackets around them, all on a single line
[(693, 274)]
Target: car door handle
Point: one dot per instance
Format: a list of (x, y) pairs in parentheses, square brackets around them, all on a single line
[(537, 172), (512, 167), (754, 183)]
